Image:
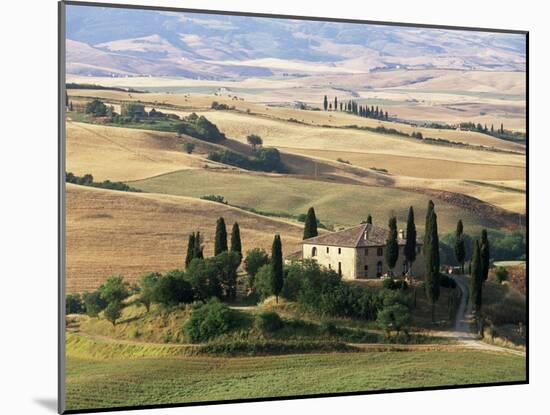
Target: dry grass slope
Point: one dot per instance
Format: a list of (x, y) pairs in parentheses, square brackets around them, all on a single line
[(110, 232)]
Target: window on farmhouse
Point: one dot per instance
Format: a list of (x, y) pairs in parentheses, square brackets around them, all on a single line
[(314, 251), (339, 250), (327, 249), (379, 268), (366, 251), (418, 249), (366, 271), (379, 251)]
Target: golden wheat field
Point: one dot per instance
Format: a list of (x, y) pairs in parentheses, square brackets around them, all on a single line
[(110, 232)]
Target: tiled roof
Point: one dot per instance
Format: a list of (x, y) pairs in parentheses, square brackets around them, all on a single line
[(359, 236)]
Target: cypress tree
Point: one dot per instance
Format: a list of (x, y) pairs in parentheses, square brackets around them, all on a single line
[(198, 247), (410, 244), (310, 225), (386, 116), (431, 254), (460, 248), (325, 103), (369, 219), (220, 243), (190, 249), (335, 104), (392, 247), (236, 240), (276, 267), (485, 254), (476, 280)]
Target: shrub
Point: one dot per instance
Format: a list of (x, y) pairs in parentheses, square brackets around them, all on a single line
[(292, 282), (188, 147), (501, 274), (226, 265), (255, 259), (393, 317), (74, 304), (391, 284), (172, 289), (115, 289), (200, 127), (113, 311), (94, 303), (328, 328), (147, 285), (208, 321), (268, 322), (96, 108), (262, 282), (215, 198), (446, 281), (204, 278), (132, 109)]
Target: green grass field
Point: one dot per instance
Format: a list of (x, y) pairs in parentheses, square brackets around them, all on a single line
[(294, 196), (109, 383)]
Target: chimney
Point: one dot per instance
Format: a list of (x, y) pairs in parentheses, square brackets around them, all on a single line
[(366, 233), (401, 234)]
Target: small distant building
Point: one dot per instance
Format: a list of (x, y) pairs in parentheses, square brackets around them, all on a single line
[(358, 252)]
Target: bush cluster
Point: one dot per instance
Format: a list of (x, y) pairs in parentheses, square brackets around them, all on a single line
[(264, 159), (268, 322), (208, 321), (199, 127)]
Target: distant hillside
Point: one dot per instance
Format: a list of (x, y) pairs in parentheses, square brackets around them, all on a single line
[(119, 42)]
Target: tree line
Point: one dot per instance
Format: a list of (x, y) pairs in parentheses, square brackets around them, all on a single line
[(352, 107)]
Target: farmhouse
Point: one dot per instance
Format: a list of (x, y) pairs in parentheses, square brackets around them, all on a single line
[(358, 252)]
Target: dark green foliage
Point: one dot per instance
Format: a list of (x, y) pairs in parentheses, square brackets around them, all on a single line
[(190, 250), (203, 275), (369, 219), (391, 284), (113, 311), (322, 291), (254, 140), (132, 109), (236, 241), (391, 252), (220, 242), (410, 243), (198, 246), (268, 322), (201, 128), (265, 159), (115, 289), (431, 257), (476, 280), (485, 254), (310, 226), (263, 282), (74, 304), (215, 198), (255, 259), (277, 279), (88, 180), (501, 274), (293, 281), (446, 281), (172, 289), (394, 316), (147, 285), (93, 303), (226, 265), (325, 103), (220, 107), (188, 147), (208, 321), (96, 108), (460, 246)]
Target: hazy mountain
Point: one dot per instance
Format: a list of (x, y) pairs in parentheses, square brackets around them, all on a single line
[(118, 42)]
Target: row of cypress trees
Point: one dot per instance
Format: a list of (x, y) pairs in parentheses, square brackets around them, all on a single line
[(354, 108), (195, 250)]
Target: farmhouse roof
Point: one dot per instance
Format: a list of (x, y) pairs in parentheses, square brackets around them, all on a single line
[(363, 235)]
